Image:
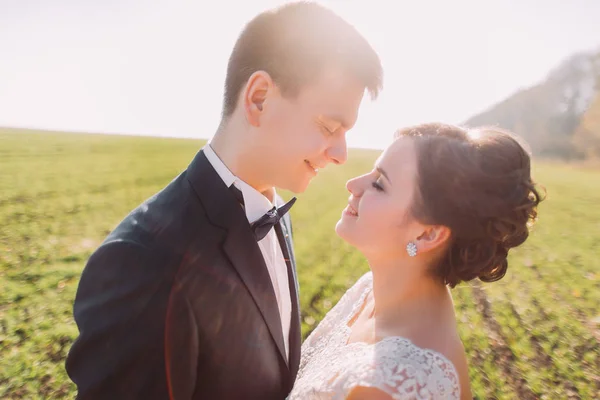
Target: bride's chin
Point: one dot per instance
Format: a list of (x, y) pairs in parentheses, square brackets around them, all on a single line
[(341, 229), (338, 227)]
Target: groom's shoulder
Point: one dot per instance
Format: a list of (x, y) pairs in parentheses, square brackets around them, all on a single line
[(168, 216)]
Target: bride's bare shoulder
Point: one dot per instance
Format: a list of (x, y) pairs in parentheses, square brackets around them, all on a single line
[(457, 356)]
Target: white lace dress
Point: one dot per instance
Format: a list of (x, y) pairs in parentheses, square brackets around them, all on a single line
[(330, 367)]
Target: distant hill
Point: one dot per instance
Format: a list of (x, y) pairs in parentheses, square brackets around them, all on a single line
[(560, 116)]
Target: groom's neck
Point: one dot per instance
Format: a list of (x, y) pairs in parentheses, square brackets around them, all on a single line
[(240, 156)]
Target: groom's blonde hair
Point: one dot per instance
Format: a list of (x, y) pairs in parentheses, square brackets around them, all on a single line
[(293, 44)]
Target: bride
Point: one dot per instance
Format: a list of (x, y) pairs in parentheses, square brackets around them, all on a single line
[(442, 205)]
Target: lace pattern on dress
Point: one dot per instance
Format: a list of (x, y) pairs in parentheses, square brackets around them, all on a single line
[(331, 367)]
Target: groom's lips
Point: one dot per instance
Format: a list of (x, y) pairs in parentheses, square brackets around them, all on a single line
[(312, 168)]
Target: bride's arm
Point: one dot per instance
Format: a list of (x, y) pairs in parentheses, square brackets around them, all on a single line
[(368, 393), (459, 360)]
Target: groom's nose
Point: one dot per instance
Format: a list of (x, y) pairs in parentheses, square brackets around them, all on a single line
[(338, 152)]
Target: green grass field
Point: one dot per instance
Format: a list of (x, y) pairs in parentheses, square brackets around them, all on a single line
[(535, 334)]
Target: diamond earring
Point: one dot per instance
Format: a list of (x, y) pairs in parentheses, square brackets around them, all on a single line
[(411, 249)]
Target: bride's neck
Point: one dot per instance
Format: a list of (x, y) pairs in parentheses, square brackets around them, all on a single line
[(401, 289)]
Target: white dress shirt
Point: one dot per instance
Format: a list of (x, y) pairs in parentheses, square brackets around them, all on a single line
[(256, 205)]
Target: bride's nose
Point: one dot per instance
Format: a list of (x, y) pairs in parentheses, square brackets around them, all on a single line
[(353, 186)]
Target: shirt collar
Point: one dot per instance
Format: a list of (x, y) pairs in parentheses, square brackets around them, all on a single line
[(256, 204)]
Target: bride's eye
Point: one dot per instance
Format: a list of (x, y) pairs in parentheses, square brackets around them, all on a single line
[(377, 186)]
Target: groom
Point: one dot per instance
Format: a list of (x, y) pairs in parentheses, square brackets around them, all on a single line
[(194, 294)]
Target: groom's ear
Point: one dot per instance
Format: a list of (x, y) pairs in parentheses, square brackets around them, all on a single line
[(255, 95)]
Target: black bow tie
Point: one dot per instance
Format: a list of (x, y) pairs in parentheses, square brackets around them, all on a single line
[(263, 225)]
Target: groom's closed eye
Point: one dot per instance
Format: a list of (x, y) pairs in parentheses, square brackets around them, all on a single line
[(327, 129), (330, 123)]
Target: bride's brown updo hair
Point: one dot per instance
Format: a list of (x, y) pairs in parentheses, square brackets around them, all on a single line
[(478, 183)]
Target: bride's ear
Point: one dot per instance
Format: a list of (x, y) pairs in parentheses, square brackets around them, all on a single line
[(433, 237)]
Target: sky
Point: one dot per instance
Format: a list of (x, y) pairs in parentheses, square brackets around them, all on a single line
[(157, 67)]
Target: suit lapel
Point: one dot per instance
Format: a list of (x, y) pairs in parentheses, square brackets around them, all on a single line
[(287, 230), (245, 255), (240, 245), (295, 334)]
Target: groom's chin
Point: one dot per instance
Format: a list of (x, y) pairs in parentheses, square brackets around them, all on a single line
[(298, 187)]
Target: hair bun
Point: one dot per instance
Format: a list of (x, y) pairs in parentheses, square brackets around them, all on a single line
[(478, 184), (483, 258)]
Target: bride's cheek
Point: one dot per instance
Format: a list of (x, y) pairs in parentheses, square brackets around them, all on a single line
[(382, 211)]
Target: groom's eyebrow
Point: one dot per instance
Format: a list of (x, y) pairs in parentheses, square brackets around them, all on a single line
[(337, 119)]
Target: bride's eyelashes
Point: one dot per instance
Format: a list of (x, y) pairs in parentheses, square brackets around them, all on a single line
[(377, 186)]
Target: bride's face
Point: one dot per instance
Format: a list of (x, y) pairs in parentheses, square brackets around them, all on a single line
[(377, 220)]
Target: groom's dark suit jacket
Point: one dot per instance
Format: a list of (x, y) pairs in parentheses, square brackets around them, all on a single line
[(177, 303)]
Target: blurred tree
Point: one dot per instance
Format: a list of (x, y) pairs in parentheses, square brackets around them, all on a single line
[(550, 115)]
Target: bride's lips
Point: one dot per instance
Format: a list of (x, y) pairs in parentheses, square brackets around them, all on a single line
[(350, 211)]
